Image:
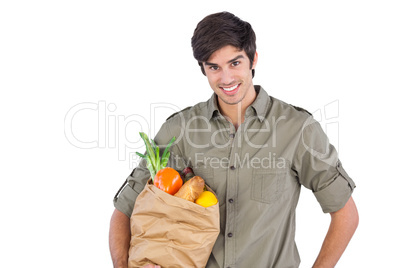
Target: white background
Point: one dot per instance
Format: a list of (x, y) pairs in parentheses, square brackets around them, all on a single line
[(123, 56)]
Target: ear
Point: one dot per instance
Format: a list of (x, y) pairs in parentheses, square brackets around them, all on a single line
[(255, 60)]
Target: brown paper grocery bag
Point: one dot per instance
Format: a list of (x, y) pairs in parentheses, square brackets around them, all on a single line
[(170, 231)]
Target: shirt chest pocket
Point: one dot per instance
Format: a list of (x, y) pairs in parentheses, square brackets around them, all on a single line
[(267, 185)]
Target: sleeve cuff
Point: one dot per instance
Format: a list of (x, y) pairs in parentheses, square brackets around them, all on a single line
[(334, 196), (125, 200)]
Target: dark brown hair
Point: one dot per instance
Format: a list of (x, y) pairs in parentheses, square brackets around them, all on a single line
[(221, 29)]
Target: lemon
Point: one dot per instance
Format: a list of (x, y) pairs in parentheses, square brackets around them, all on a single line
[(206, 199)]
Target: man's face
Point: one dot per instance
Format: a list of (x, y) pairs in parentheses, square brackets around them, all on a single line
[(229, 75)]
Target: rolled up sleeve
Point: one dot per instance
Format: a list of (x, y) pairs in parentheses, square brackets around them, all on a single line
[(125, 198), (336, 194), (320, 170)]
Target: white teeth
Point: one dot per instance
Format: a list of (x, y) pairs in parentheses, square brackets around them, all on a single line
[(230, 88)]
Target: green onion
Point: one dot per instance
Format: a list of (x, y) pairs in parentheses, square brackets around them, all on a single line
[(154, 163)]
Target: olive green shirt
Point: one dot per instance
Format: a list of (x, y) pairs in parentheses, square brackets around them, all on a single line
[(256, 172)]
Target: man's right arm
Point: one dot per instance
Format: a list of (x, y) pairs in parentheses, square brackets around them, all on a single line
[(119, 239), (120, 232)]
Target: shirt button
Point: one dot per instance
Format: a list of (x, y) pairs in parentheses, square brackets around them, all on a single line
[(230, 200), (232, 135), (230, 234), (232, 168)]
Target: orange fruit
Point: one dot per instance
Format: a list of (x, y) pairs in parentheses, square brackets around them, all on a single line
[(168, 180), (206, 199)]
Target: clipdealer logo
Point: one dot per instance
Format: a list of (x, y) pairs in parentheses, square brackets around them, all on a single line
[(113, 130), (116, 131)]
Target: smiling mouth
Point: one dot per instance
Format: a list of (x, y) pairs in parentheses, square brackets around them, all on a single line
[(230, 89)]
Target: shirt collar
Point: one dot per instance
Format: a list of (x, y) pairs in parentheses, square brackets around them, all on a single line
[(212, 106), (260, 104)]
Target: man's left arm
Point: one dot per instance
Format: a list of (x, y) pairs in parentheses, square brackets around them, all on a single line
[(343, 225)]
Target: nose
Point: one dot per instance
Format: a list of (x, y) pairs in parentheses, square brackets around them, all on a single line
[(226, 77)]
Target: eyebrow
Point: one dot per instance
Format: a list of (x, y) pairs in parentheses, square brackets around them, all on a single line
[(232, 60)]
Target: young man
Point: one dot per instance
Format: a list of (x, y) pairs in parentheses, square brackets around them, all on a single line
[(255, 152)]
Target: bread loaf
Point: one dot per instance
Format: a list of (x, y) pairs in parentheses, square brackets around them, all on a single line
[(192, 189)]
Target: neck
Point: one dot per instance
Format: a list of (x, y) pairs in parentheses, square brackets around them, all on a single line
[(235, 113)]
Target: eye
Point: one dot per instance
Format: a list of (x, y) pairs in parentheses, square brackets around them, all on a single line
[(213, 67), (235, 63)]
